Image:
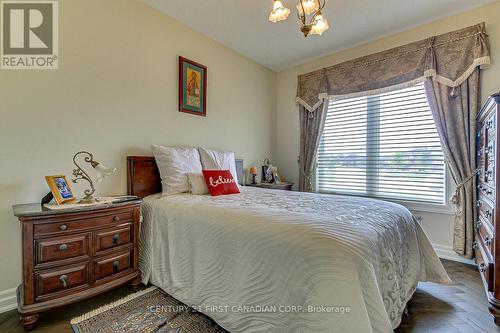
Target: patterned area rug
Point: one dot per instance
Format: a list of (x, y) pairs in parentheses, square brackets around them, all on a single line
[(147, 311)]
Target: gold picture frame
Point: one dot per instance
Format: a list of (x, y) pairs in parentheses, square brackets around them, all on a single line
[(60, 188)]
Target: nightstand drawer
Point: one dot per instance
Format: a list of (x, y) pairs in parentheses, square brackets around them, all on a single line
[(73, 225), (53, 249), (109, 239), (113, 265), (63, 279)]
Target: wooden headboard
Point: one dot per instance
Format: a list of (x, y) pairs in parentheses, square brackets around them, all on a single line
[(143, 177)]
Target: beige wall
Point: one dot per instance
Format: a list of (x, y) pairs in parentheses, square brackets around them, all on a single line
[(114, 94), (438, 226)]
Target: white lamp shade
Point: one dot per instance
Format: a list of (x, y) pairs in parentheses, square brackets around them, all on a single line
[(103, 172), (320, 25), (279, 12), (310, 6)]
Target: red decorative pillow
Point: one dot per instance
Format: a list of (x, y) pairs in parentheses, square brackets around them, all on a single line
[(220, 182)]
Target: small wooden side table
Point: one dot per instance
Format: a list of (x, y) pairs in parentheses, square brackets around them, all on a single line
[(73, 254), (281, 186)]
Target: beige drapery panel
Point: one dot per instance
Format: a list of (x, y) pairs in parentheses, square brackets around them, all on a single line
[(449, 65), (311, 127), (454, 111), (448, 58)]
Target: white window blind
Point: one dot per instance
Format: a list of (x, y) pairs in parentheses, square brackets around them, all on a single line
[(384, 146)]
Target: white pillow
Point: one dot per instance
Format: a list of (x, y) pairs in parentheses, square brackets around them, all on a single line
[(174, 165), (217, 160), (198, 184)]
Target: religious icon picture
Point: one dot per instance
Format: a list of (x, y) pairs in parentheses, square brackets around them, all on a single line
[(192, 87)]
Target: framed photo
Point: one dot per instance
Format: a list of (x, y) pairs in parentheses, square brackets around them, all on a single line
[(276, 177), (59, 186), (266, 176), (192, 87)]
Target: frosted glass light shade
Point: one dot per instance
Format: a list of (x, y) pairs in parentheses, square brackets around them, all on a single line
[(320, 25), (102, 172), (310, 6), (279, 12)]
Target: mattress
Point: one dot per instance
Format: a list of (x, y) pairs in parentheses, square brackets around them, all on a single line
[(281, 261)]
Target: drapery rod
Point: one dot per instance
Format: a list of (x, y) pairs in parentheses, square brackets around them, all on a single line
[(321, 72)]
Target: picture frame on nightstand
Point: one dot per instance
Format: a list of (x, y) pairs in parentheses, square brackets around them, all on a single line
[(60, 188)]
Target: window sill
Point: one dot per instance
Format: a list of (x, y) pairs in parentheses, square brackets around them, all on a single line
[(427, 208), (446, 209)]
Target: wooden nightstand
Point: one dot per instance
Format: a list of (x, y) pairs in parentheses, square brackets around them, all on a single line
[(281, 186), (73, 254)]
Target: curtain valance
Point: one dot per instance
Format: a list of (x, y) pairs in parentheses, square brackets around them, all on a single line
[(449, 58)]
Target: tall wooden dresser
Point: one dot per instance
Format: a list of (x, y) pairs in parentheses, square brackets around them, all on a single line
[(487, 224)]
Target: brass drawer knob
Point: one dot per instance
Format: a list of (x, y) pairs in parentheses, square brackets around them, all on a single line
[(63, 247), (479, 225), (64, 280), (116, 238), (482, 267), (116, 265), (63, 227), (116, 218)]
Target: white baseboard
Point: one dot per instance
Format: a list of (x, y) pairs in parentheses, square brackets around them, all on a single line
[(446, 252), (8, 300)]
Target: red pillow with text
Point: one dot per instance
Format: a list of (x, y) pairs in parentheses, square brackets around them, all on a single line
[(220, 182)]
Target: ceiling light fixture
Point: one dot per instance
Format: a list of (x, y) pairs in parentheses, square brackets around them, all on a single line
[(309, 13)]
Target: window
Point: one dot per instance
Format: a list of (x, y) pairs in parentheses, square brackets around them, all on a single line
[(384, 146)]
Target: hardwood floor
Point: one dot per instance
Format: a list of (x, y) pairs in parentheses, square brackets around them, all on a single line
[(461, 307), (457, 308)]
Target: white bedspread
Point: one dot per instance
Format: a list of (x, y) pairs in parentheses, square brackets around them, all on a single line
[(347, 264)]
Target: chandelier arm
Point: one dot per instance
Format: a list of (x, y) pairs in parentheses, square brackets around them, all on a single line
[(318, 12), (314, 16), (303, 17), (321, 6)]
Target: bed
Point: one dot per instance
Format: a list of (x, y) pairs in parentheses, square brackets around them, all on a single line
[(279, 261)]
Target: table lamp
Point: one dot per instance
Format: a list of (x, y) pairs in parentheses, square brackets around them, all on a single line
[(101, 172), (253, 172)]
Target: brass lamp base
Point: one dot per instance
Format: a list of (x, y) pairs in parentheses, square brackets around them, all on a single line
[(88, 200)]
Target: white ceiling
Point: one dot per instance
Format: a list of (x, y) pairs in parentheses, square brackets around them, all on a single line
[(242, 25)]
